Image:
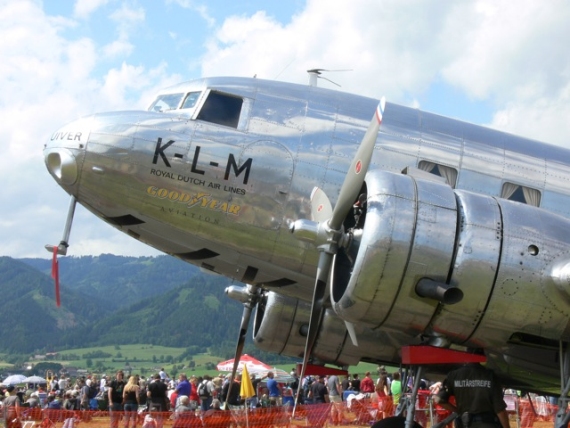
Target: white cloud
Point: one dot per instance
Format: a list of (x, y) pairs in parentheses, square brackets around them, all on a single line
[(513, 55), (84, 8), (49, 80), (118, 48), (386, 44), (128, 18), (510, 49), (541, 118), (200, 8)]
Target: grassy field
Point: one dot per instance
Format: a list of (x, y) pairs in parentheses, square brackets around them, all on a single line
[(141, 358), (147, 359)]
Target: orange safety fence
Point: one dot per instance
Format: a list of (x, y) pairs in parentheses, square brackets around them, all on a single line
[(362, 412), (537, 410)]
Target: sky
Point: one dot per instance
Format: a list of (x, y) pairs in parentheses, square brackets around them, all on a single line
[(497, 63)]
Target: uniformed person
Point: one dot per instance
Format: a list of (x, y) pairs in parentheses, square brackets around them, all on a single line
[(478, 395)]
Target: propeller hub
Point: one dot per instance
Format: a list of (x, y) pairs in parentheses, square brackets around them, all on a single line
[(305, 230)]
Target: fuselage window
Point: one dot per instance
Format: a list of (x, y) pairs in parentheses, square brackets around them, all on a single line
[(190, 100), (221, 109), (447, 172), (523, 194), (166, 102)]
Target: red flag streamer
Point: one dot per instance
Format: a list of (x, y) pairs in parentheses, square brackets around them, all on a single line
[(55, 275)]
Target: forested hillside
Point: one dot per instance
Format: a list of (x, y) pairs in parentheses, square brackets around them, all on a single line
[(115, 300), (119, 281), (187, 307), (30, 319), (196, 313)]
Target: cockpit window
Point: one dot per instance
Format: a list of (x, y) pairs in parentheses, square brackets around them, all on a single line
[(190, 100), (222, 109), (166, 102)]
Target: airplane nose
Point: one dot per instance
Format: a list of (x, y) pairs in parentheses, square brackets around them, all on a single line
[(62, 164), (65, 149)]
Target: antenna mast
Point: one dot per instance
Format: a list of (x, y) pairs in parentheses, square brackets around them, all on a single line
[(315, 73)]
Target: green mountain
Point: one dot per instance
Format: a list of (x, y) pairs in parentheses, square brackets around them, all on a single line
[(119, 281), (30, 319), (196, 313), (115, 300), (102, 303)]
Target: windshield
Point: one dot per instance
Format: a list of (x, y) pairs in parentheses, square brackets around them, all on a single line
[(166, 102), (190, 100)]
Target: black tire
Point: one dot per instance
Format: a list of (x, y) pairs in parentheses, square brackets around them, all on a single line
[(393, 422)]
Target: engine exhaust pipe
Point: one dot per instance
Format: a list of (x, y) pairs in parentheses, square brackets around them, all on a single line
[(444, 293)]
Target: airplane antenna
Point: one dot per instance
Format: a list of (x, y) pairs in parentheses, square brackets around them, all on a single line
[(286, 67), (316, 73)]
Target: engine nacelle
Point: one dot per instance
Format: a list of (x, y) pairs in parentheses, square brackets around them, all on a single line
[(281, 324), (421, 239)]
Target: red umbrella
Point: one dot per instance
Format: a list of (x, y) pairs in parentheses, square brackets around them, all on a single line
[(253, 365)]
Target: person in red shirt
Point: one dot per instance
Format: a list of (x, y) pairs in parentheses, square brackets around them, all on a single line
[(194, 397), (367, 384)]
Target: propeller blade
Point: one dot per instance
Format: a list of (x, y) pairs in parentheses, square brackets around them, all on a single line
[(321, 208), (348, 194), (351, 332), (323, 269), (357, 171)]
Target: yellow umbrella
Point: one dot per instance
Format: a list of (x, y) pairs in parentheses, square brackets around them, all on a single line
[(246, 387)]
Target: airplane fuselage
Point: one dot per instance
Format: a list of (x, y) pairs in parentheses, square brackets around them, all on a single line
[(220, 182)]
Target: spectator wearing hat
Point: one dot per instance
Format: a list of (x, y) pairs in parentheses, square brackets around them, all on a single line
[(33, 399), (218, 382), (183, 405), (184, 415), (69, 400), (215, 409)]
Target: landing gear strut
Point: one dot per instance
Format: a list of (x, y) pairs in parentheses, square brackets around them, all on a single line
[(562, 415)]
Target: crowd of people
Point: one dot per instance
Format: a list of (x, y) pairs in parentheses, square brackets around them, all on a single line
[(126, 398)]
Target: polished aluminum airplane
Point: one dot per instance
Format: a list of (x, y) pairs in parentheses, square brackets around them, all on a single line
[(354, 236)]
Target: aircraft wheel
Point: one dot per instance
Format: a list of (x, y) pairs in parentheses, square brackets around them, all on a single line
[(393, 422)]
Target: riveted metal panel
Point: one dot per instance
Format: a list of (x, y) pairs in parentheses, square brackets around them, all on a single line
[(475, 264), (524, 298), (430, 256)]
